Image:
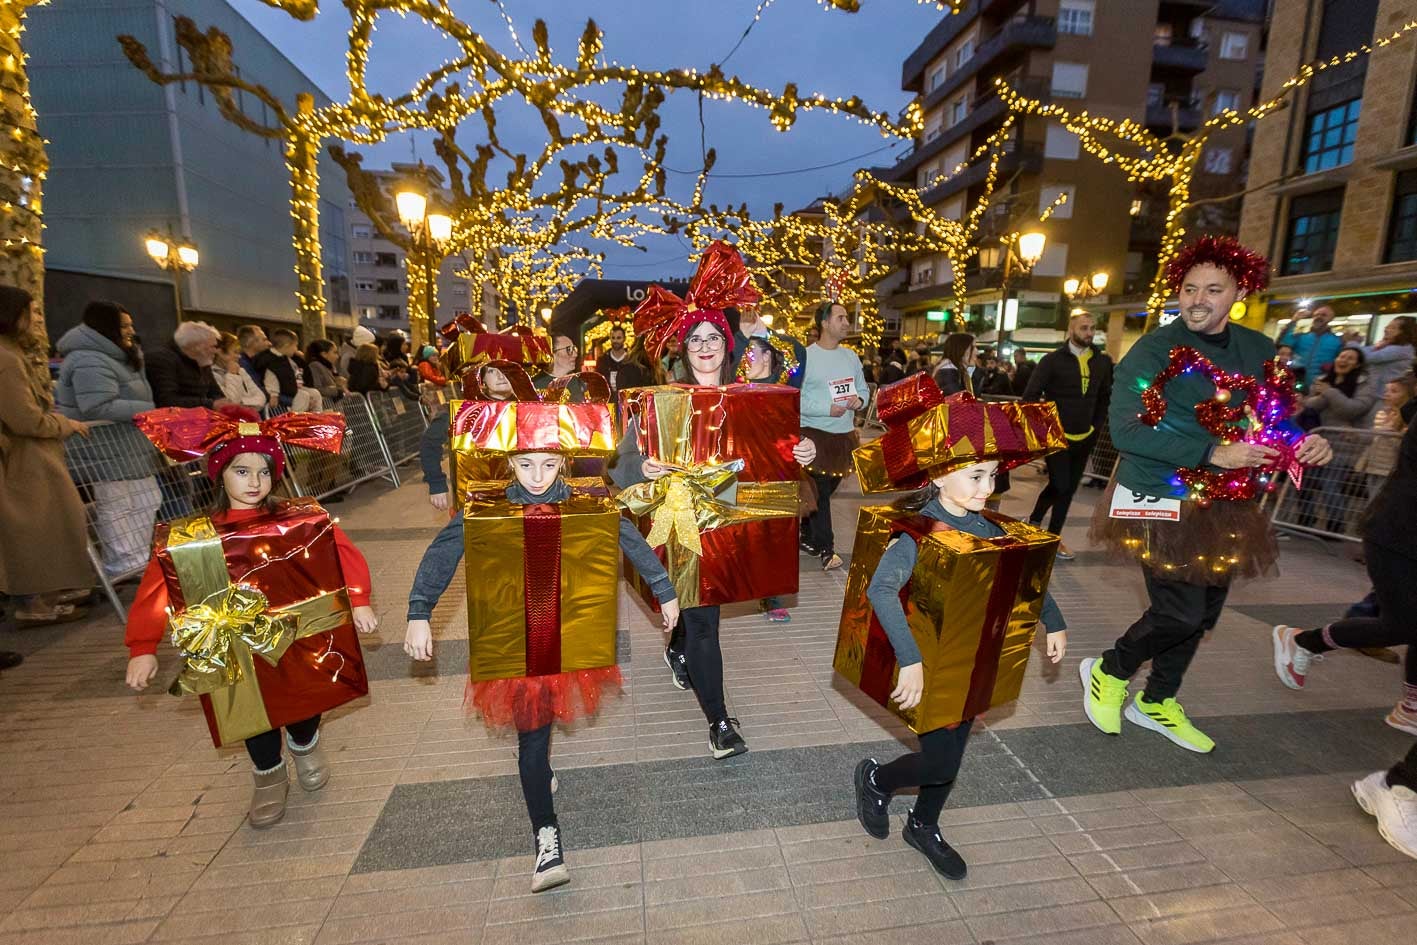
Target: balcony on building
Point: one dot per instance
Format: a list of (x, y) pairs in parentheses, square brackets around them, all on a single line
[(1025, 158), (1159, 118), (1179, 54), (986, 111), (997, 54)]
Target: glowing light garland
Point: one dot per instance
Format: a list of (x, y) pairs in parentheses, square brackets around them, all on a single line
[(23, 163), (1144, 156), (1243, 409)]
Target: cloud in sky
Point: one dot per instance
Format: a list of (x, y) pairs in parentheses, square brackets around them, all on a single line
[(824, 51)]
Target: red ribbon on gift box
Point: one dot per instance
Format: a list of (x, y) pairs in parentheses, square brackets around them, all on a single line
[(541, 581), (879, 664)]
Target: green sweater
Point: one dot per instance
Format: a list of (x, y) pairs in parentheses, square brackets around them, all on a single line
[(1151, 455)]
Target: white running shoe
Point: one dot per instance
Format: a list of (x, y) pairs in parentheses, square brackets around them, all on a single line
[(1291, 661), (1395, 809)]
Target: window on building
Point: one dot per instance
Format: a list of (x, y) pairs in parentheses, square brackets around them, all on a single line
[(364, 285), (1162, 35), (1329, 137), (361, 231), (922, 274), (953, 209), (1312, 232), (459, 288), (390, 312), (1402, 232), (1075, 17), (959, 111), (1155, 94), (1069, 79), (1234, 46), (1198, 28), (964, 53), (1225, 100), (1050, 192), (937, 75), (367, 311), (932, 131), (1054, 261), (1060, 144), (1219, 160), (362, 258), (927, 174), (387, 285), (386, 259)]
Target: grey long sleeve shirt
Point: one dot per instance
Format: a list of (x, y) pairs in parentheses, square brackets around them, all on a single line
[(898, 563), (440, 562)]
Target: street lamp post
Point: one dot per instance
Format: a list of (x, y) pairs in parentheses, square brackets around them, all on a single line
[(428, 234), (1080, 290), (172, 255), (1017, 254)]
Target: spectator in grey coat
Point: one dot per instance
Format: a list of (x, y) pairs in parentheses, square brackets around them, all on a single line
[(101, 382)]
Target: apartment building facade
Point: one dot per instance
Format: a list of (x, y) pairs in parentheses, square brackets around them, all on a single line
[(1164, 63), (1339, 217)]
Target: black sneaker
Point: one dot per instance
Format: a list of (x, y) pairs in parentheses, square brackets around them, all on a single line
[(678, 668), (927, 839), (808, 549), (724, 740), (550, 870), (872, 804)]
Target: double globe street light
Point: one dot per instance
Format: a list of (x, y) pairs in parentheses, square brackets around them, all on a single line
[(428, 234), (172, 255)]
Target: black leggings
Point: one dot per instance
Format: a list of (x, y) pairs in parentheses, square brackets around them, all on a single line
[(1065, 471), (696, 636), (534, 766), (932, 769), (1167, 634), (1395, 585), (817, 527), (264, 748)]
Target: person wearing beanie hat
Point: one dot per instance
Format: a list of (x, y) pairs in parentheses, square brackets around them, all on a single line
[(361, 336), (224, 617)]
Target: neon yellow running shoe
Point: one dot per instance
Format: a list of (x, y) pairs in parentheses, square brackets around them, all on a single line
[(1168, 718), (1102, 696)]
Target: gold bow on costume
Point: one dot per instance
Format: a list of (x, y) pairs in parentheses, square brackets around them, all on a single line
[(672, 501), (230, 622)]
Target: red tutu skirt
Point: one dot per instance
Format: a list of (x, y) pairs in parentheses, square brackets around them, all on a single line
[(1211, 545), (531, 702)]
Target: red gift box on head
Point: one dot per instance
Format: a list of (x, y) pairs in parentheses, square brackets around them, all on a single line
[(261, 613), (725, 520)]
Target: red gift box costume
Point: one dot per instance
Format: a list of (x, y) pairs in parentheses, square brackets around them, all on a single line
[(291, 578)]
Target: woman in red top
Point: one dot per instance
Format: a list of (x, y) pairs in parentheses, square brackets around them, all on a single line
[(247, 467)]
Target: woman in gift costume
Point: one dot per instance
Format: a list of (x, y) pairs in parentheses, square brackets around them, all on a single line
[(694, 655), (246, 457), (1200, 415), (954, 498), (531, 704)]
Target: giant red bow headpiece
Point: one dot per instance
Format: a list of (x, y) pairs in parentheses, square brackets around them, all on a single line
[(929, 434), (535, 423), (188, 433), (470, 344), (721, 281)]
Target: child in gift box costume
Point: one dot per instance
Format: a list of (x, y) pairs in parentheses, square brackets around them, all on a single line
[(542, 600), (976, 583), (685, 492), (262, 596)]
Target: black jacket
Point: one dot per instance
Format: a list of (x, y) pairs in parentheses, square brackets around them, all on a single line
[(622, 375), (1022, 373), (1391, 519), (177, 380), (1058, 378), (284, 370)]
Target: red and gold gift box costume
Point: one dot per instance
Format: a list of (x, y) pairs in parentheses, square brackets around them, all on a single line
[(972, 603), (542, 591), (927, 431), (724, 521), (485, 432), (258, 602), (469, 346)]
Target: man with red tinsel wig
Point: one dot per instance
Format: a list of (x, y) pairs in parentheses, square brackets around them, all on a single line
[(1183, 503)]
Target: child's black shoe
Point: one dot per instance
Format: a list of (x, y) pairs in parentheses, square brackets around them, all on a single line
[(872, 804), (926, 838), (550, 869)]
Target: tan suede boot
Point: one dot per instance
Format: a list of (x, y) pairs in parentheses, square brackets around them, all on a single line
[(311, 768), (268, 798)]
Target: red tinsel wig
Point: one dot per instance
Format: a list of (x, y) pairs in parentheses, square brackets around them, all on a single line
[(1249, 268)]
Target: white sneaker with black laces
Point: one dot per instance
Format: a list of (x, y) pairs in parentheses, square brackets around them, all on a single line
[(724, 740), (1395, 809), (678, 668), (550, 869)]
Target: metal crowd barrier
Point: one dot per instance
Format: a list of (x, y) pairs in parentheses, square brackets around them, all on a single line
[(1333, 498), (1102, 463), (127, 486)]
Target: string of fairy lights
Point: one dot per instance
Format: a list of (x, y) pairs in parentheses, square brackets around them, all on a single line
[(23, 164)]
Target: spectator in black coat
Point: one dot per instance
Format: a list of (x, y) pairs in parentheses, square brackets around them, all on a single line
[(1023, 370), (1078, 378), (180, 372)]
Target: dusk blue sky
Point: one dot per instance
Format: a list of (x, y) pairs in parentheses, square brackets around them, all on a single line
[(836, 53)]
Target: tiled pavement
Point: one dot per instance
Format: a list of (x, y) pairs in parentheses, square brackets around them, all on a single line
[(121, 823)]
